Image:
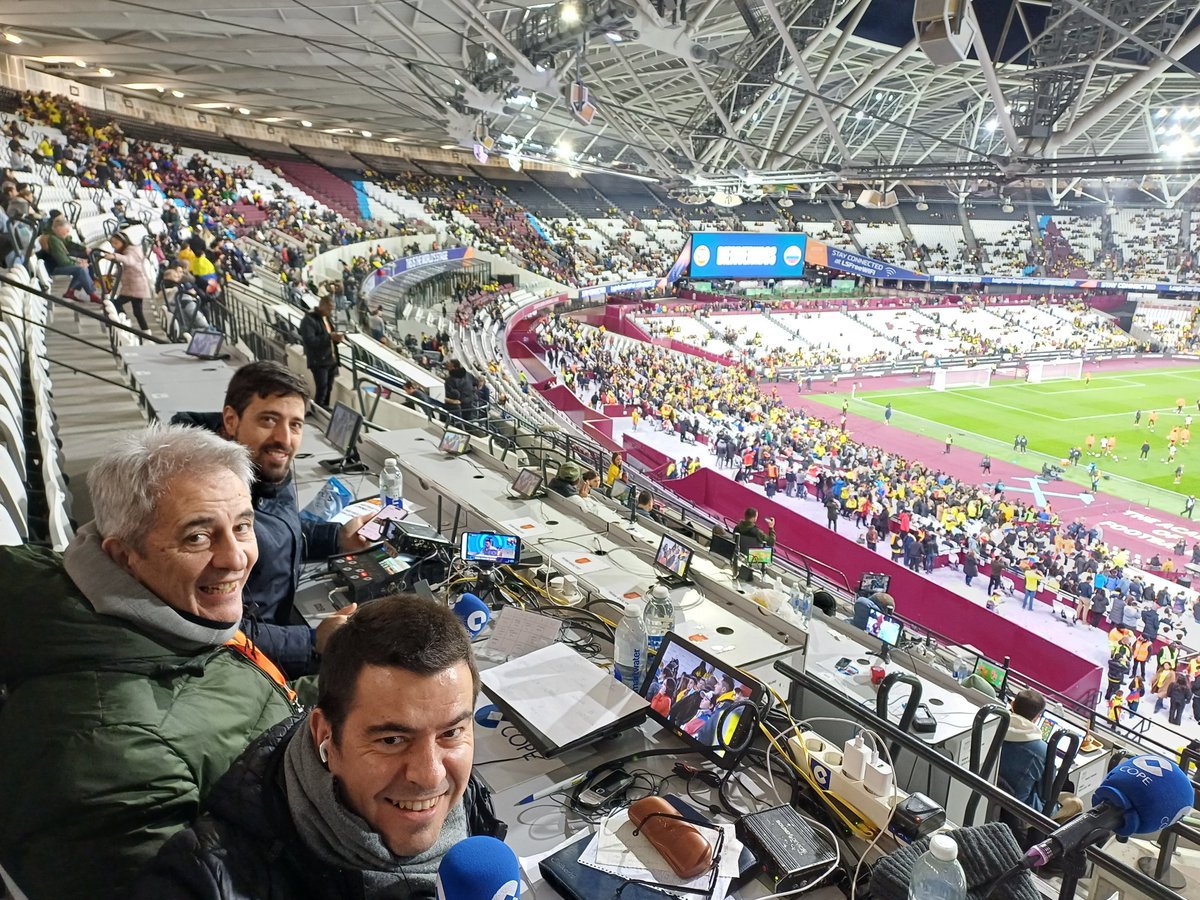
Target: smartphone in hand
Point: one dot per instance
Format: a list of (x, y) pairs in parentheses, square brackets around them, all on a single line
[(377, 528)]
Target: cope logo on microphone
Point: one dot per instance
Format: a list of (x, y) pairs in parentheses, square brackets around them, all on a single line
[(1152, 765), (476, 621), (510, 891)]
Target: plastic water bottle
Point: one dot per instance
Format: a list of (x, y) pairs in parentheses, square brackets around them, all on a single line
[(391, 483), (629, 656), (937, 875), (800, 601), (659, 617)]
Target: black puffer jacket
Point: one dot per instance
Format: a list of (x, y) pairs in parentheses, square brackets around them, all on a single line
[(245, 846), (319, 349)]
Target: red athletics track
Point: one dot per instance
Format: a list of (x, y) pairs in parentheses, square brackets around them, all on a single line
[(1139, 529)]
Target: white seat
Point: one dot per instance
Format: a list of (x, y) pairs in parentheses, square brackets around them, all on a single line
[(12, 494), (12, 438)]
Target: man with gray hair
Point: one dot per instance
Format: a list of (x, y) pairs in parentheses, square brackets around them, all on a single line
[(130, 687)]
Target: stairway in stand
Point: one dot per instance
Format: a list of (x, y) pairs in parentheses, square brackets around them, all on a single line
[(336, 193)]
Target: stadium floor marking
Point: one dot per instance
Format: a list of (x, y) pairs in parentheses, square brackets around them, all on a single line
[(1126, 383)]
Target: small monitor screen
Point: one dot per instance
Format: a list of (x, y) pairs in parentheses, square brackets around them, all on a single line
[(885, 628), (673, 556), (873, 583), (993, 673), (205, 344), (454, 442), (689, 692), (526, 483), (343, 427), (489, 547), (759, 556)]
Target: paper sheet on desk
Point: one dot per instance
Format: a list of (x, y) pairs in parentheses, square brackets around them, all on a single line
[(581, 562), (615, 850), (518, 632), (525, 527)]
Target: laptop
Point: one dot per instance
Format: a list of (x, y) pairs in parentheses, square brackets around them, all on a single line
[(206, 345)]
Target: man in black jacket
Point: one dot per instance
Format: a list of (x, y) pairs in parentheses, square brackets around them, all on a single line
[(320, 341), (264, 411), (364, 795), (462, 400)]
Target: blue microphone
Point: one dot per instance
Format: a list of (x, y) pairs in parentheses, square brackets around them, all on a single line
[(473, 613), (479, 868), (1142, 795)]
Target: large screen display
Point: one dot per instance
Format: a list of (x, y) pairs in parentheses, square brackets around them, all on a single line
[(743, 254)]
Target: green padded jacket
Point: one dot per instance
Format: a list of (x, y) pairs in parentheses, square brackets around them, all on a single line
[(115, 726)]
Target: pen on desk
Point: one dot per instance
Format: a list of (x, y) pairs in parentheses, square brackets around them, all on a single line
[(554, 789)]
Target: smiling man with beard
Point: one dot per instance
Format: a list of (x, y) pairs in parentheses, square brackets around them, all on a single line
[(264, 412)]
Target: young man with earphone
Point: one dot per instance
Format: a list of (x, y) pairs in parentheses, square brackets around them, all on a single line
[(363, 795)]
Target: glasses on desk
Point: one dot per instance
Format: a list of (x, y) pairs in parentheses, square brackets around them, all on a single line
[(714, 867)]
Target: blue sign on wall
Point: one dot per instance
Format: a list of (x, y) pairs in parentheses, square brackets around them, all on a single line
[(741, 254)]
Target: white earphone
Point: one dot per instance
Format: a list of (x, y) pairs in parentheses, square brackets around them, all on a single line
[(323, 751)]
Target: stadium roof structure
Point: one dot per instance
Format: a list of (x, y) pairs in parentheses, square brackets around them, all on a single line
[(745, 96)]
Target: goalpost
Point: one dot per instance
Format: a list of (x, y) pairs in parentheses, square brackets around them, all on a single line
[(1054, 369), (974, 376)]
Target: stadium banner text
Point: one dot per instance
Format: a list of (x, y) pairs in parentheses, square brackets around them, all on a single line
[(743, 254)]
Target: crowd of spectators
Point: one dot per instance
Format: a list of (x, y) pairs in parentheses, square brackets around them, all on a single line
[(904, 506)]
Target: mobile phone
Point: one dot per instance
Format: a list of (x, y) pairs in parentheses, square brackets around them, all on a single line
[(842, 663), (374, 529), (603, 790)]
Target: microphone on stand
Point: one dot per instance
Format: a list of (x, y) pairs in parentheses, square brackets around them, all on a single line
[(1142, 795), (479, 868)]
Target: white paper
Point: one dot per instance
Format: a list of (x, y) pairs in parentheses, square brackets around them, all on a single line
[(561, 694), (525, 527), (581, 562), (518, 632), (619, 846), (531, 872), (663, 878)]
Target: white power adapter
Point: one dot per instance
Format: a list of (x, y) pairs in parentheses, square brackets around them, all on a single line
[(878, 778), (854, 759)]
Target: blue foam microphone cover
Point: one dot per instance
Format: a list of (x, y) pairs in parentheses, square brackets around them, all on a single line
[(479, 868), (473, 613), (1153, 791)]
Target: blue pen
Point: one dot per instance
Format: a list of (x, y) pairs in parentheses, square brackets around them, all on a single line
[(555, 788)]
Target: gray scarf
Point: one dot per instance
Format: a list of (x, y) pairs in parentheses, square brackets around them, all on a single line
[(114, 592), (338, 837)]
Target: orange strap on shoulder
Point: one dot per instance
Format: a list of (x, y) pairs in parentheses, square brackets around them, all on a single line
[(245, 646)]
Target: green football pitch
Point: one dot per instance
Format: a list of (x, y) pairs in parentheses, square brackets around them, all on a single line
[(1058, 415)]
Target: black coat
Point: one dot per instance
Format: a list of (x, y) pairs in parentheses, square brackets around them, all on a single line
[(319, 350), (245, 846)]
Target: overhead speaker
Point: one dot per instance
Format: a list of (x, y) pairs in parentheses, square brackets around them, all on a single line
[(870, 199), (945, 29)]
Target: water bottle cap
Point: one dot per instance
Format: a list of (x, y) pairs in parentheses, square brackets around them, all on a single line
[(659, 592), (943, 847), (391, 462)]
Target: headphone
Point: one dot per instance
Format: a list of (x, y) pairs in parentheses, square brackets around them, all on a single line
[(323, 751)]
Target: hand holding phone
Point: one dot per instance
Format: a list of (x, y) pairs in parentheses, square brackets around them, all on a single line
[(374, 530)]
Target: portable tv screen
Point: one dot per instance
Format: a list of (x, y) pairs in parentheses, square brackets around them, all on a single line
[(673, 557), (690, 692), (759, 556), (205, 344), (885, 628), (993, 673), (454, 442), (490, 547), (526, 484), (342, 431), (873, 583)]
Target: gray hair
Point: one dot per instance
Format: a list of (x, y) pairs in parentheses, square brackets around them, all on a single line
[(128, 481), (18, 208)]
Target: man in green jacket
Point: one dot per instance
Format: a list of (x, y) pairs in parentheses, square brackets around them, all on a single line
[(130, 688)]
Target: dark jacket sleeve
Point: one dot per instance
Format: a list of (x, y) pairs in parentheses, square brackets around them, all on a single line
[(288, 646), (180, 871)]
